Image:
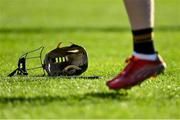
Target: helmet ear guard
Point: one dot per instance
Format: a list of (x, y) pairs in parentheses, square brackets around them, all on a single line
[(65, 62)]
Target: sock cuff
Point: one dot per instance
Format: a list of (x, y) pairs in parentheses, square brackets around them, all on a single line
[(142, 31), (143, 41)]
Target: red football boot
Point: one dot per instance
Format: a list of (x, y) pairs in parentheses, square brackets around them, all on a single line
[(136, 71)]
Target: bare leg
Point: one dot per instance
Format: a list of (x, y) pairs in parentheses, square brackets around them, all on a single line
[(141, 13)]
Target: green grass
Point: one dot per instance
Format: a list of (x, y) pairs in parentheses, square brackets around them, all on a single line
[(102, 27)]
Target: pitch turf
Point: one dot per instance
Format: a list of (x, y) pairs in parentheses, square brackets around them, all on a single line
[(101, 26)]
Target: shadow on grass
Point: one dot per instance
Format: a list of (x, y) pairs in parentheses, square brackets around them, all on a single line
[(81, 29), (68, 99), (107, 95)]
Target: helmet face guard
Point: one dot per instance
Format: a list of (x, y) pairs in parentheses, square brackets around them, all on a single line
[(22, 67), (62, 61)]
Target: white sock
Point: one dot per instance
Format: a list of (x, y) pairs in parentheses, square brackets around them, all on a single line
[(151, 57)]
